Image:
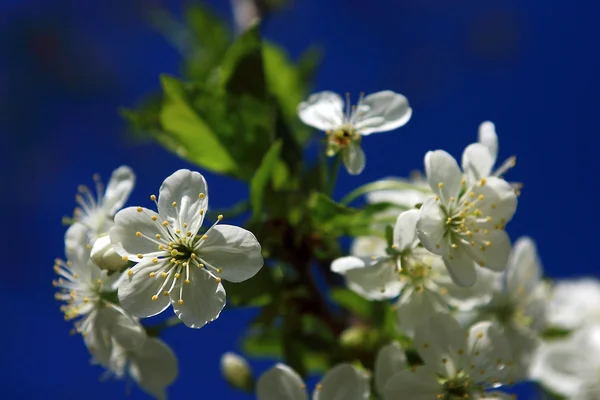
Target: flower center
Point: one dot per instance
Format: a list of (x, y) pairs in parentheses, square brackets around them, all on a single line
[(340, 139), (457, 388)]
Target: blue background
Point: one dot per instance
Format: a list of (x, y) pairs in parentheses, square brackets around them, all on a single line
[(66, 66)]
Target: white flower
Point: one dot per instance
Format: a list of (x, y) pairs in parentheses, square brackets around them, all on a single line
[(459, 363), (418, 276), (236, 370), (90, 296), (571, 367), (464, 223), (104, 255), (518, 304), (97, 212), (153, 366), (377, 112), (574, 303), (342, 382), (404, 198), (390, 360), (176, 265)]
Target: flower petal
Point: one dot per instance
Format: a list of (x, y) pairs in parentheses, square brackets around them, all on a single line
[(416, 307), (418, 383), (188, 191), (235, 250), (154, 367), (390, 360), (499, 201), (375, 280), (368, 246), (461, 266), (405, 230), (524, 271), (382, 111), (489, 353), (488, 137), (494, 257), (203, 299), (477, 162), (343, 382), (119, 187), (354, 158), (431, 227), (77, 251), (123, 234), (281, 383), (136, 291), (443, 175), (323, 110), (574, 303)]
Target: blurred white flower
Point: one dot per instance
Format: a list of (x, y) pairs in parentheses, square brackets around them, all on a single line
[(90, 296), (459, 363), (571, 367), (236, 371), (96, 213), (104, 255), (574, 303), (341, 382), (377, 112), (404, 198), (464, 223), (176, 265), (390, 360)]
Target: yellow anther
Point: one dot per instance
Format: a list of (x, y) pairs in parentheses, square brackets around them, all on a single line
[(481, 263), (477, 212), (201, 212), (437, 246), (218, 280), (489, 219), (178, 231), (165, 223), (153, 197), (157, 236), (166, 293), (437, 198), (188, 234), (488, 243), (138, 234), (140, 256), (318, 387), (174, 253), (471, 194), (220, 217), (480, 197), (202, 195), (204, 237), (174, 204), (483, 181), (177, 275), (154, 217), (219, 270), (452, 199), (163, 275), (453, 245), (129, 273), (139, 209), (200, 265), (180, 302), (193, 256), (155, 260), (154, 298), (441, 185), (472, 243), (161, 246), (186, 281), (493, 206), (152, 274), (86, 300), (124, 258), (463, 181)]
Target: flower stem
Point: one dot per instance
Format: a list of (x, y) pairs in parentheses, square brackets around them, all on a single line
[(333, 173)]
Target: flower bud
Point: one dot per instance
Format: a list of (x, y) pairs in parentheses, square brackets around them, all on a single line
[(356, 337), (105, 256), (236, 371)]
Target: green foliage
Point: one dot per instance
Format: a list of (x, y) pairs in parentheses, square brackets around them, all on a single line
[(257, 292), (265, 172)]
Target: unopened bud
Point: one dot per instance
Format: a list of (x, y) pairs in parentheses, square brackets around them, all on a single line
[(105, 256), (237, 372), (358, 337)]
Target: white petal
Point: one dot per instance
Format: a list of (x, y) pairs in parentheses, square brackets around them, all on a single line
[(431, 227), (419, 383), (154, 367), (323, 110), (280, 383), (488, 137), (494, 257), (406, 197), (382, 111), (374, 280), (499, 200), (524, 271), (203, 299), (416, 307), (343, 382), (467, 298), (441, 338), (97, 338), (187, 189), (489, 351), (367, 246), (461, 266), (235, 250), (354, 158), (78, 254), (123, 235), (136, 291), (477, 162), (390, 360), (575, 303), (443, 175), (119, 187), (405, 230), (123, 328)]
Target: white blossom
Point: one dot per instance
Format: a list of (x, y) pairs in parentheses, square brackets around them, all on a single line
[(574, 303), (90, 296), (96, 213), (175, 264), (104, 255), (377, 112), (390, 360), (464, 222), (416, 192), (236, 370), (571, 367), (459, 363), (411, 272), (341, 382), (153, 366)]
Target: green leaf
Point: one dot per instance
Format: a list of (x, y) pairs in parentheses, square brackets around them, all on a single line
[(261, 178), (255, 292), (195, 139), (352, 302), (389, 235), (263, 342)]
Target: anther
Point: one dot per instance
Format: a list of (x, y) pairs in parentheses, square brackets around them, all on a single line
[(154, 218), (154, 260), (154, 298), (163, 275), (138, 234), (483, 181), (152, 197), (174, 253), (441, 185), (152, 274), (140, 256), (129, 273), (177, 275), (165, 223), (202, 195), (204, 237), (220, 217), (180, 302), (174, 204), (166, 293), (124, 258)]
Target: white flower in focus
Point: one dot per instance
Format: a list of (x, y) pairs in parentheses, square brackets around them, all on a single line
[(459, 363), (377, 112), (176, 265), (236, 371), (390, 360), (341, 382), (464, 223), (417, 275), (153, 366), (96, 213), (571, 367), (104, 255), (519, 303), (574, 303), (90, 296)]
